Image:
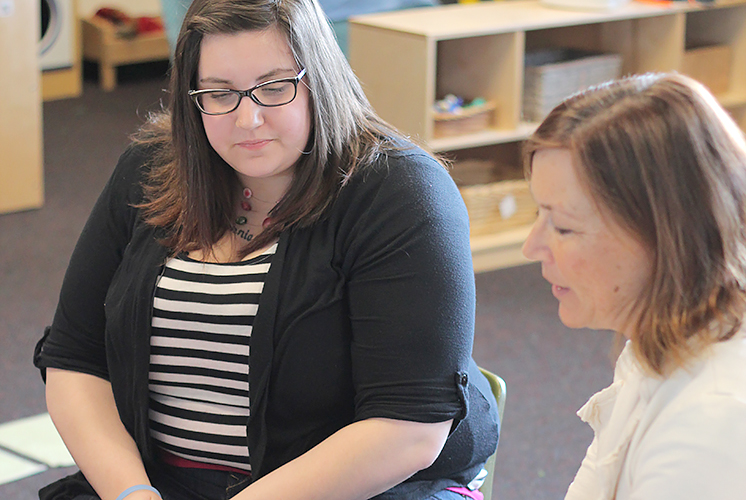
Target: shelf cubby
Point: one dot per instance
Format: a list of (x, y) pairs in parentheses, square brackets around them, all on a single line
[(483, 66), (727, 27), (408, 59)]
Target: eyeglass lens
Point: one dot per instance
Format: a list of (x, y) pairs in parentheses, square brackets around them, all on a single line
[(270, 94)]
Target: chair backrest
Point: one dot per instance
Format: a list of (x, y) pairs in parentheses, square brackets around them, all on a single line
[(499, 389)]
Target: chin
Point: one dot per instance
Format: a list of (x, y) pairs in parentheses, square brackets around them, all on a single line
[(572, 321)]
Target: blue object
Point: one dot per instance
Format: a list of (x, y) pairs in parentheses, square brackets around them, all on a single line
[(341, 10), (138, 487), (172, 13), (338, 11)]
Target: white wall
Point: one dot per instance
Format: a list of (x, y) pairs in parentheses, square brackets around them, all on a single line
[(132, 8)]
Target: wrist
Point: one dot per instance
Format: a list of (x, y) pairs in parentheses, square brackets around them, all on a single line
[(142, 495), (140, 492)]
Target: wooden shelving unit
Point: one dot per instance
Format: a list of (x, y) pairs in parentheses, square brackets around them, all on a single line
[(408, 59), (21, 167), (102, 45)]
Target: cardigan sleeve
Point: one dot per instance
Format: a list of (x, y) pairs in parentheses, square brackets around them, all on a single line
[(75, 340), (411, 294)]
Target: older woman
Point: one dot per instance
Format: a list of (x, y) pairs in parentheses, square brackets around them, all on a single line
[(641, 188)]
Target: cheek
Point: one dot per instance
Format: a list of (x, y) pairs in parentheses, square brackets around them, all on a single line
[(215, 129), (572, 264), (576, 265), (616, 280), (587, 270), (297, 121), (299, 125)]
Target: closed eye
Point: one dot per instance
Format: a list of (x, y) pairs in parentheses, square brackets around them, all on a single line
[(218, 96)]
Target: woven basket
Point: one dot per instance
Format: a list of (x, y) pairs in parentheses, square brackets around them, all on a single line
[(498, 206), (466, 121), (554, 74)]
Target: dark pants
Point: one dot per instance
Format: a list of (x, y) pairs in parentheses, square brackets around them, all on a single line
[(177, 483)]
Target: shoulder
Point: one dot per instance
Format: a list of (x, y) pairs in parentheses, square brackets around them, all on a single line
[(701, 410), (692, 445), (406, 175), (405, 201), (131, 172), (694, 452), (135, 161), (718, 374), (406, 159)]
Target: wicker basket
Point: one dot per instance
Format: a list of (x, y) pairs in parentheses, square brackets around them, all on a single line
[(466, 121), (554, 74), (472, 171), (498, 206)]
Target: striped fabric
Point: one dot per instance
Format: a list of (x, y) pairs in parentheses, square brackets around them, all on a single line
[(199, 358)]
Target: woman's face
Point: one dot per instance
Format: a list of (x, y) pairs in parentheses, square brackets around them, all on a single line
[(257, 141), (597, 269)]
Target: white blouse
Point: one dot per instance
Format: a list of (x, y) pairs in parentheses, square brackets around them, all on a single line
[(678, 438)]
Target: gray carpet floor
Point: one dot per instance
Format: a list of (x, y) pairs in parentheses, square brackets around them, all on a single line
[(550, 370)]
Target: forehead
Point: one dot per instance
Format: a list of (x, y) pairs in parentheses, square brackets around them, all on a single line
[(246, 51), (555, 183)]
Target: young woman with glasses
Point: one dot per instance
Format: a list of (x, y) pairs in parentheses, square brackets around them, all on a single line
[(273, 296)]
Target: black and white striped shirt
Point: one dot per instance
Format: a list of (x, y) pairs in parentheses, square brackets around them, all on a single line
[(199, 358)]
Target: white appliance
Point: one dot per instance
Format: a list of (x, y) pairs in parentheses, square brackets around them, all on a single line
[(57, 34)]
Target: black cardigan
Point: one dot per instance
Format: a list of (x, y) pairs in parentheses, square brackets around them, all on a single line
[(368, 313)]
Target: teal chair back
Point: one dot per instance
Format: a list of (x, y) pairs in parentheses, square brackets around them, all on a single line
[(499, 389)]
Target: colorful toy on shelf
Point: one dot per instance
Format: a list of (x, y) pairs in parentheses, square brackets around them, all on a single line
[(453, 117), (453, 104), (126, 26)]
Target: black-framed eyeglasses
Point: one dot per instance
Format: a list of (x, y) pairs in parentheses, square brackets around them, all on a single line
[(268, 94)]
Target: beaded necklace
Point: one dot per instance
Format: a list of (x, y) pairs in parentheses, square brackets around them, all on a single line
[(243, 220)]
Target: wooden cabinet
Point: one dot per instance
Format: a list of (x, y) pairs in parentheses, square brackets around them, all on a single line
[(101, 44), (408, 59), (21, 172)]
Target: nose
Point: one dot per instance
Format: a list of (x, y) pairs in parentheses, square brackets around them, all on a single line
[(249, 115), (535, 247)]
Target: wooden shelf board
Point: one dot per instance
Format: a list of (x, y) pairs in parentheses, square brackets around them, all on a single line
[(487, 18), (732, 99), (483, 138), (499, 251), (62, 83)]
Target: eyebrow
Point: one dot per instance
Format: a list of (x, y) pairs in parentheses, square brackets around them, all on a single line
[(554, 209), (266, 76)]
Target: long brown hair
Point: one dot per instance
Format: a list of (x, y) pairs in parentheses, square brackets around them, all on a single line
[(669, 164), (190, 191)]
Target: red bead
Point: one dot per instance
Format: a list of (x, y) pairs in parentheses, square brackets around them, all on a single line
[(246, 206), (247, 193), (266, 222)]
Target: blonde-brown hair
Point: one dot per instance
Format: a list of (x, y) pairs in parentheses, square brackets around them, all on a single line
[(669, 164)]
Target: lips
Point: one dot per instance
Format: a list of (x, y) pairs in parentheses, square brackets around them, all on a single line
[(254, 144), (557, 290)]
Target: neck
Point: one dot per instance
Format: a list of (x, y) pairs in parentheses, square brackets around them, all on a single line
[(266, 192)]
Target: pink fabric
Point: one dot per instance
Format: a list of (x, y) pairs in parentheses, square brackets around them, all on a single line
[(185, 463), (476, 494)]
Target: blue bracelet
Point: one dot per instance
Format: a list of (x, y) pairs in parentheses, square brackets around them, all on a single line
[(138, 487)]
